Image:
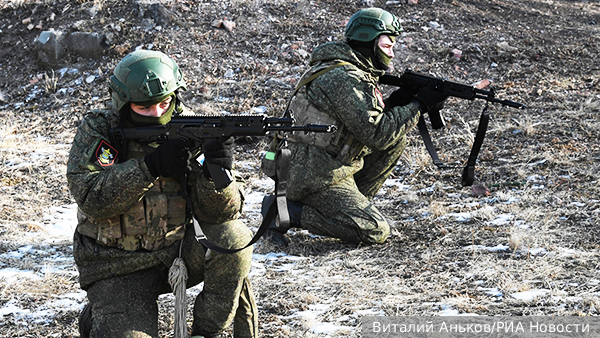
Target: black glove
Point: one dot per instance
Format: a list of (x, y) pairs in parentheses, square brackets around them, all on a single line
[(169, 159), (430, 99), (218, 151), (399, 97)]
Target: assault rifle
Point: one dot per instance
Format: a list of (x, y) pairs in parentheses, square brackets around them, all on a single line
[(194, 128), (414, 82)]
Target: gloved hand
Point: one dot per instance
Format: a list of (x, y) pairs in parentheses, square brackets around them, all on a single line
[(218, 151), (430, 99), (168, 159), (399, 97)]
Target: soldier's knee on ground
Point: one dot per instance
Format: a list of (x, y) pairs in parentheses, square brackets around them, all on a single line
[(125, 306)]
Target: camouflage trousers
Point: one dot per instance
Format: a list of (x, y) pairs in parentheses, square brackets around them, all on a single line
[(345, 210), (124, 299)]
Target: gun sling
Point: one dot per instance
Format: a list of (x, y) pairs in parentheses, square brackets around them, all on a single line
[(428, 143), (469, 170), (279, 207), (468, 175)]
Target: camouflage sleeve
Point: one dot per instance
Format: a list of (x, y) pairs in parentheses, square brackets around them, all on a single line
[(103, 190), (215, 206), (353, 99)]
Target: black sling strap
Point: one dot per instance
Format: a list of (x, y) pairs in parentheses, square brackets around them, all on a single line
[(280, 207), (283, 165), (468, 175), (200, 237), (428, 143)]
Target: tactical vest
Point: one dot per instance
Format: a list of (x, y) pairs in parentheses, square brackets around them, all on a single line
[(157, 220), (340, 144)]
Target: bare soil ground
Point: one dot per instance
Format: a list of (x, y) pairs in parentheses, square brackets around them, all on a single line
[(537, 230)]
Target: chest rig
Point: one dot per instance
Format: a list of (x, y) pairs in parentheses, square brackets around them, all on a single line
[(340, 144), (157, 220)]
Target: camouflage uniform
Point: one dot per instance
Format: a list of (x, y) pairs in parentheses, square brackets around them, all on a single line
[(336, 191), (132, 226)]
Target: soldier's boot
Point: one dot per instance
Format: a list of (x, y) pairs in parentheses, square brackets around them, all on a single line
[(276, 233), (85, 321), (197, 332)]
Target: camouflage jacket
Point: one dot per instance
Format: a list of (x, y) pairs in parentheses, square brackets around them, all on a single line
[(350, 95), (122, 205)]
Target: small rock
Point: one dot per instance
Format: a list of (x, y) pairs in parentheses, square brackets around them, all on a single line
[(229, 25), (479, 190), (229, 73), (506, 47), (160, 14), (90, 45), (50, 47), (90, 79), (457, 53)]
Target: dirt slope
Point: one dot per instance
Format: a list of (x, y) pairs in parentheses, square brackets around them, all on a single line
[(541, 163)]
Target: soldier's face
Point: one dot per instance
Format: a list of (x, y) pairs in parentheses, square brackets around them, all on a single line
[(386, 45), (155, 110)]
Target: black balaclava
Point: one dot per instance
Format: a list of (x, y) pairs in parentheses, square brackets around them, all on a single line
[(141, 120)]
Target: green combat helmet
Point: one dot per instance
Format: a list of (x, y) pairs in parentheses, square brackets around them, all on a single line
[(367, 24), (144, 76)]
